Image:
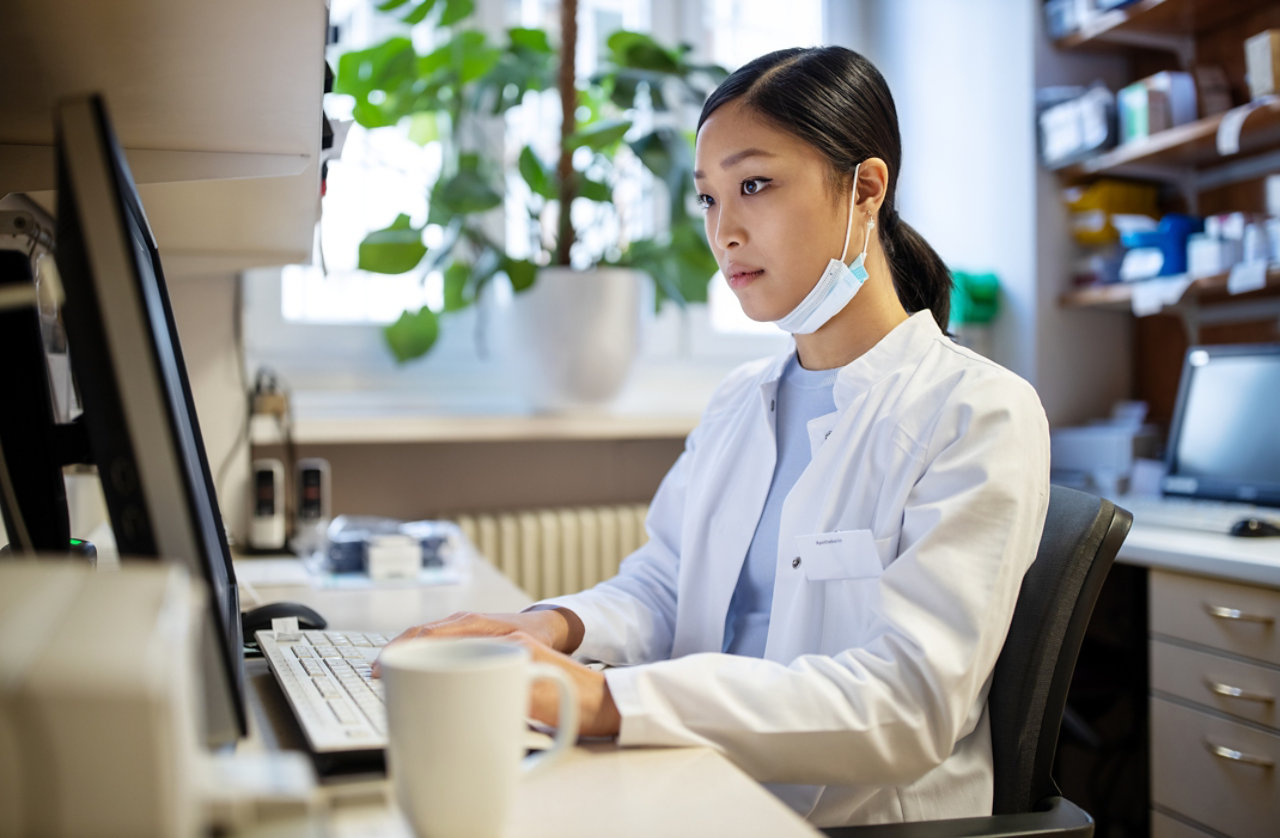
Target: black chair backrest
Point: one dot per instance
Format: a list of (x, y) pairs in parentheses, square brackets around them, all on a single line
[(1082, 534)]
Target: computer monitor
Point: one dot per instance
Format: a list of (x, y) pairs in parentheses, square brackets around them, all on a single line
[(1223, 442), (33, 496), (138, 410)]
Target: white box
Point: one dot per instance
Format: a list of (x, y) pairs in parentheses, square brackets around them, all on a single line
[(394, 557)]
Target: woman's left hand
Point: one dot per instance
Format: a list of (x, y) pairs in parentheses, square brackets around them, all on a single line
[(599, 715)]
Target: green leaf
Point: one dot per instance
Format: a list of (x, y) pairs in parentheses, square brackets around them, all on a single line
[(640, 51), (372, 116), (388, 5), (380, 67), (424, 128), (521, 272), (466, 192), (530, 39), (534, 174), (456, 10), (455, 286), (420, 13), (594, 190), (600, 136), (392, 250), (413, 335)]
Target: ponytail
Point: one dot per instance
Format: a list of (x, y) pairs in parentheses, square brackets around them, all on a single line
[(920, 277)]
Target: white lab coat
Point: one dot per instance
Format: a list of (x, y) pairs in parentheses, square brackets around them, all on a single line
[(901, 549)]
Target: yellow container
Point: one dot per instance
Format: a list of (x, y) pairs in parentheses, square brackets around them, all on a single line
[(1092, 207)]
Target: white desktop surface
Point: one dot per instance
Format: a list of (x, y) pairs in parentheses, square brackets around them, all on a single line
[(1249, 560), (599, 788)]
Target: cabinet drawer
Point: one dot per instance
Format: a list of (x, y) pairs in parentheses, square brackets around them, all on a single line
[(1236, 618), (1163, 826), (1228, 795), (1246, 690)]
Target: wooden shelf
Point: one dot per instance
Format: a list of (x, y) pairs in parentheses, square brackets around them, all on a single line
[(1156, 18), (1208, 289), (1193, 145)]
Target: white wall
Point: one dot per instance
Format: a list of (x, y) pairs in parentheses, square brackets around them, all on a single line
[(206, 310)]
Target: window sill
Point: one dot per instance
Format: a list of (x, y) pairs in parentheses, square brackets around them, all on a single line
[(383, 428)]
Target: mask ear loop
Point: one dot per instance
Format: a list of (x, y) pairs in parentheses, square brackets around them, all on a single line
[(871, 222)]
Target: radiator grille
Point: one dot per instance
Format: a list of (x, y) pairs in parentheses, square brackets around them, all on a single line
[(549, 552)]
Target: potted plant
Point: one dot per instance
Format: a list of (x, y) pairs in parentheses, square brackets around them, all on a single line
[(612, 125)]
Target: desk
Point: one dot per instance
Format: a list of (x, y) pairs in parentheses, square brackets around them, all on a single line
[(1213, 610), (598, 788)]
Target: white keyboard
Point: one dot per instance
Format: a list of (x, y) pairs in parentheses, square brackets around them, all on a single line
[(1188, 514), (326, 677)]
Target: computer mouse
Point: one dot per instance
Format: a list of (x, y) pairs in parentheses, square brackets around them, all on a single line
[(1254, 528), (259, 619)]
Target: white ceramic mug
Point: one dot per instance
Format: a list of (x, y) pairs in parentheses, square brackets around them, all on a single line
[(456, 711)]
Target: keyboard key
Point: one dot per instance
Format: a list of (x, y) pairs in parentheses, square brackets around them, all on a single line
[(352, 653), (343, 712), (327, 651), (326, 688), (301, 651), (312, 666)]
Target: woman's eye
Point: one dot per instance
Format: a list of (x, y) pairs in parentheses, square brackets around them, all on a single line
[(704, 201), (752, 186)]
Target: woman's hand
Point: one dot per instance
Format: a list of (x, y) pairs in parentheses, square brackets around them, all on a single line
[(556, 628), (597, 713)]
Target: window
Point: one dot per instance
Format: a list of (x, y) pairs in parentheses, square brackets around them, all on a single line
[(318, 325)]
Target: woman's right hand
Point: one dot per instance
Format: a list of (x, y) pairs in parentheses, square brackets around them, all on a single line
[(557, 628)]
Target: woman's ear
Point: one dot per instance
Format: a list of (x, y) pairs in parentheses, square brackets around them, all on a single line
[(873, 184)]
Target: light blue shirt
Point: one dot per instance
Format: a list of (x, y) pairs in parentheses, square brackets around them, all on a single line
[(803, 395)]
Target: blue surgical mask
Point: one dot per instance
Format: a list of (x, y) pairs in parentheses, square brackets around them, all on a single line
[(837, 285)]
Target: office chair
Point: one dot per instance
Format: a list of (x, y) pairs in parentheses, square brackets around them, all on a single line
[(1082, 535)]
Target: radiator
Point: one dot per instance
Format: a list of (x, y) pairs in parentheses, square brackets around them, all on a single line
[(549, 552)]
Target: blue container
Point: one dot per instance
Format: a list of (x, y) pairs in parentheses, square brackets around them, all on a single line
[(1170, 236)]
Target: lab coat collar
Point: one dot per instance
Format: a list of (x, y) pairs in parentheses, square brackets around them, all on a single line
[(895, 350), (892, 352)]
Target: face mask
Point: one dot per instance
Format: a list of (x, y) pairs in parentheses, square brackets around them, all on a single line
[(837, 285)]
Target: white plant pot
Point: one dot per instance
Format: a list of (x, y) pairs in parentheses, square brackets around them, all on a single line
[(572, 338)]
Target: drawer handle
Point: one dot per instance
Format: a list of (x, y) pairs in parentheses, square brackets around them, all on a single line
[(1238, 756), (1223, 612), (1238, 692)]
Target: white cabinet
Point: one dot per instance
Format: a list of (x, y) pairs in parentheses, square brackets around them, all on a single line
[(217, 106)]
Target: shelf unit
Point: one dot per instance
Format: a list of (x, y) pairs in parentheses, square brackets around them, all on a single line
[(1191, 146), (1156, 24), (1186, 157), (1205, 289), (217, 107)]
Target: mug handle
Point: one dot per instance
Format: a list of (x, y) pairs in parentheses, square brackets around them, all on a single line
[(567, 730)]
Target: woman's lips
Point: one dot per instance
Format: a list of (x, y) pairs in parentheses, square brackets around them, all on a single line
[(737, 279)]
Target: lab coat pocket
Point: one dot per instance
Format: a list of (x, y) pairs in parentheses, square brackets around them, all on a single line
[(849, 554)]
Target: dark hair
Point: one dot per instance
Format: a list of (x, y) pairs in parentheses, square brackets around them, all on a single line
[(836, 100)]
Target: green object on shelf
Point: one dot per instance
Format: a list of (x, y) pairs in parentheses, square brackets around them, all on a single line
[(975, 298)]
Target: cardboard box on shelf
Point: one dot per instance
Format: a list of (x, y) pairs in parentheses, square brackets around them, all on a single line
[(1262, 63)]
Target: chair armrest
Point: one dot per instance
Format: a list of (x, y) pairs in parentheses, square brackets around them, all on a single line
[(1060, 819)]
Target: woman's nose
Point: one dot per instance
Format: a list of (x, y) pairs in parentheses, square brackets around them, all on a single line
[(729, 232)]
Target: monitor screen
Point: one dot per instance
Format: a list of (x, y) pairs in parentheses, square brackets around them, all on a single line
[(138, 409), (1224, 441)]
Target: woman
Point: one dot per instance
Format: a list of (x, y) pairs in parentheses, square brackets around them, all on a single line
[(833, 561)]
